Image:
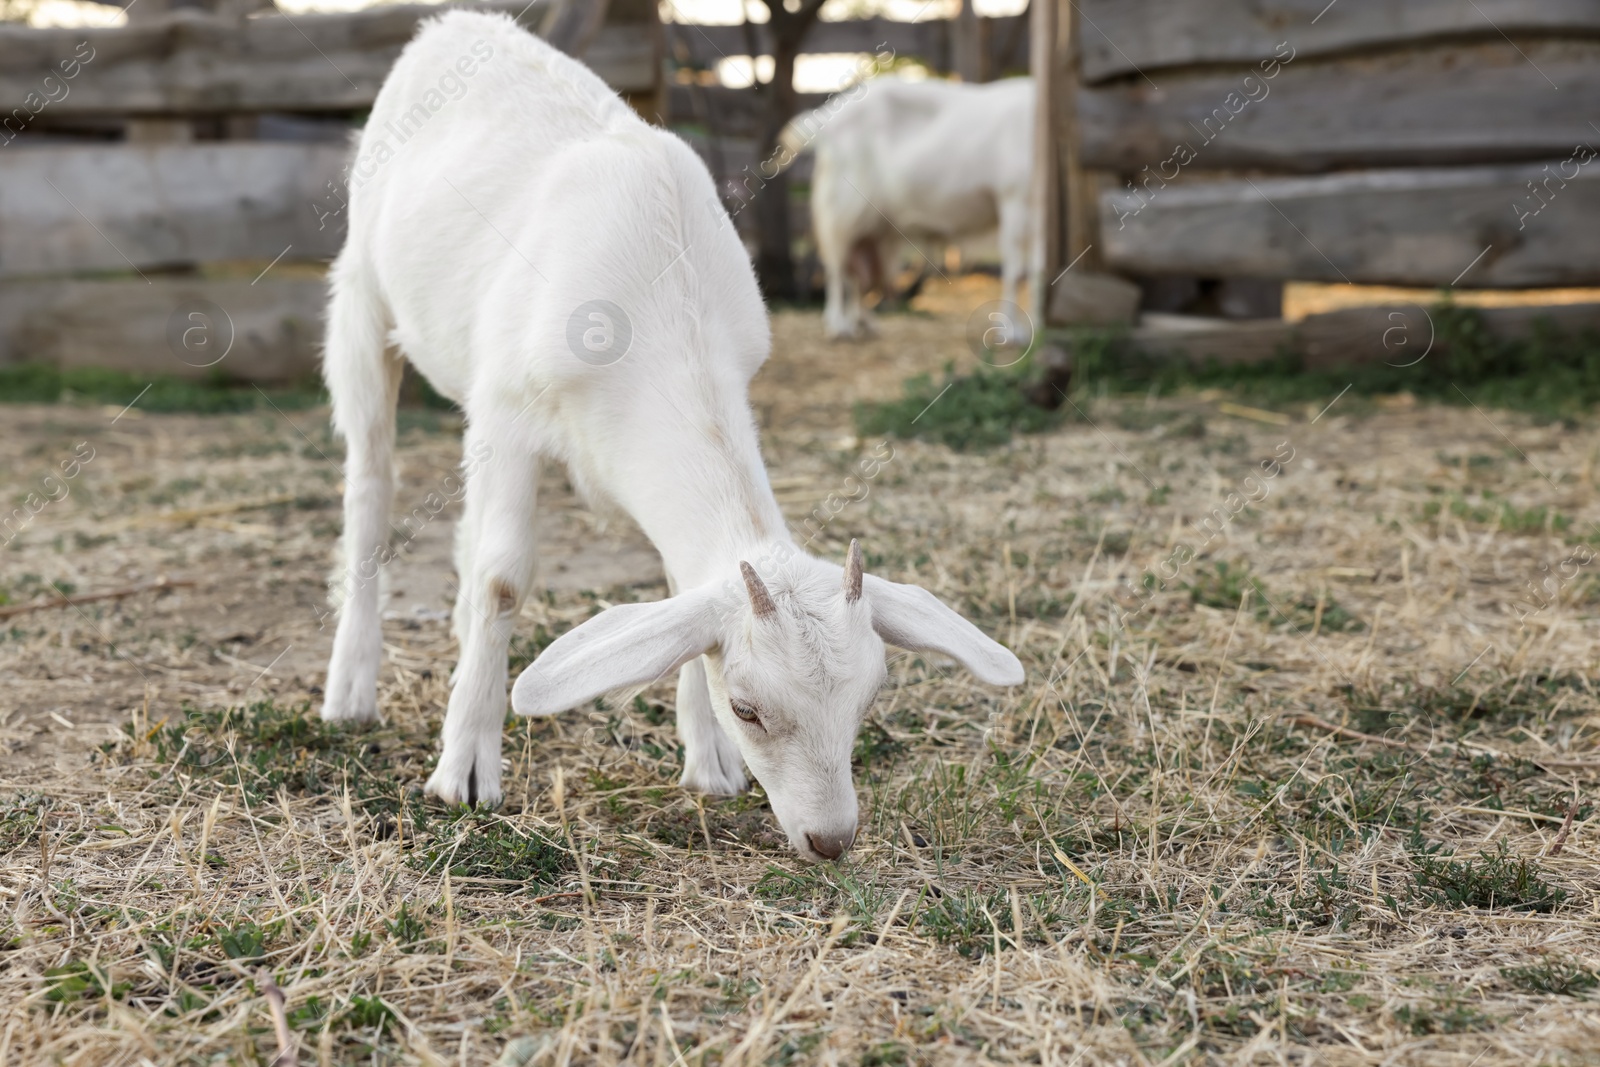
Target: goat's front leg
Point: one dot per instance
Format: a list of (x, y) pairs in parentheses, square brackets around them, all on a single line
[(711, 761), (501, 498)]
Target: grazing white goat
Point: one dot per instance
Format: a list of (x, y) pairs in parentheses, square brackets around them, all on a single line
[(917, 162), (563, 271)]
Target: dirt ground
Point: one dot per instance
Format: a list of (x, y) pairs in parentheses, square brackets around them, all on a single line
[(1321, 792)]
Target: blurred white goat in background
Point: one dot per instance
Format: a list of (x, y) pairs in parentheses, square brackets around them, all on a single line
[(920, 163)]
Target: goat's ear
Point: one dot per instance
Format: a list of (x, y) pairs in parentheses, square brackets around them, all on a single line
[(911, 617), (630, 644)]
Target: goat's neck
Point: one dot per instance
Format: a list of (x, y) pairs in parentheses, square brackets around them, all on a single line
[(699, 490)]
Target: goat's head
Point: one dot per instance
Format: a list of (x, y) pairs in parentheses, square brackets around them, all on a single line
[(793, 661)]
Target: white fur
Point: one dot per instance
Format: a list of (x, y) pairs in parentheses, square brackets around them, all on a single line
[(469, 250), (928, 161)]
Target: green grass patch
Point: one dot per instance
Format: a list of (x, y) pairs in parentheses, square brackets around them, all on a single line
[(34, 383), (77, 980), (1556, 975), (21, 818), (1501, 514), (1441, 1017), (733, 823), (217, 393), (1223, 587), (483, 846), (1491, 879), (245, 941), (1551, 374), (525, 648), (265, 747), (1508, 702), (975, 923), (963, 411)]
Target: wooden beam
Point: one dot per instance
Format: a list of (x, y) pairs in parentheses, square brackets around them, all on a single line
[(193, 63), (968, 54), (571, 26), (1124, 37), (737, 111), (1048, 190), (1079, 183), (1404, 333), (266, 331), (1005, 40), (1397, 334), (156, 206), (1204, 340), (1483, 103), (160, 206), (1469, 226)]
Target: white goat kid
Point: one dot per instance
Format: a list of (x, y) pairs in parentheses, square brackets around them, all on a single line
[(562, 270), (917, 161)]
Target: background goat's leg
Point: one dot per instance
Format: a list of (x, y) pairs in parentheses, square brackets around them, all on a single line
[(500, 506), (711, 761), (834, 255), (364, 381), (1015, 220)]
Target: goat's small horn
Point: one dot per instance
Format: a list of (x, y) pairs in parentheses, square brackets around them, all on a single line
[(852, 573), (760, 599)]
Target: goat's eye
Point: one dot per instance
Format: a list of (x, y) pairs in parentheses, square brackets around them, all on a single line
[(746, 712)]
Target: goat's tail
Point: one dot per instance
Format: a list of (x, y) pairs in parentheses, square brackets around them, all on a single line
[(362, 376), (364, 382)]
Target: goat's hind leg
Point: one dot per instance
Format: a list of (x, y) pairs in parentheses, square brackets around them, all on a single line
[(364, 381), (498, 571), (1015, 261)]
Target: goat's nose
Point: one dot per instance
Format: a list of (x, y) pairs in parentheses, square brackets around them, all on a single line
[(831, 846)]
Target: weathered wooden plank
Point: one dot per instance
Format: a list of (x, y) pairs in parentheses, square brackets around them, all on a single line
[(1482, 103), (1124, 37), (193, 63), (731, 112), (1222, 341), (930, 40), (267, 331), (1398, 334), (1406, 227), (1403, 334), (1052, 150), (157, 206)]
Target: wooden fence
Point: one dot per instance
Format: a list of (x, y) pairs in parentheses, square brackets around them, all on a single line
[(193, 138), (1426, 143), (195, 63)]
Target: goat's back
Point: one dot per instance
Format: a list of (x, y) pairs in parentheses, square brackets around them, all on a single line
[(933, 155), (518, 196)]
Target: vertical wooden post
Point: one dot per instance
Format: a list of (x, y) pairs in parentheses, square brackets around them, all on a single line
[(970, 47), (1046, 70), (1082, 221)]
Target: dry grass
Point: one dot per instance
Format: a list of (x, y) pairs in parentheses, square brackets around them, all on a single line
[(1301, 807)]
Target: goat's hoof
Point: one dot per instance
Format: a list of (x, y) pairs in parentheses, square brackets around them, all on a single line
[(350, 693), (715, 781), (350, 710), (859, 331), (456, 786)]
